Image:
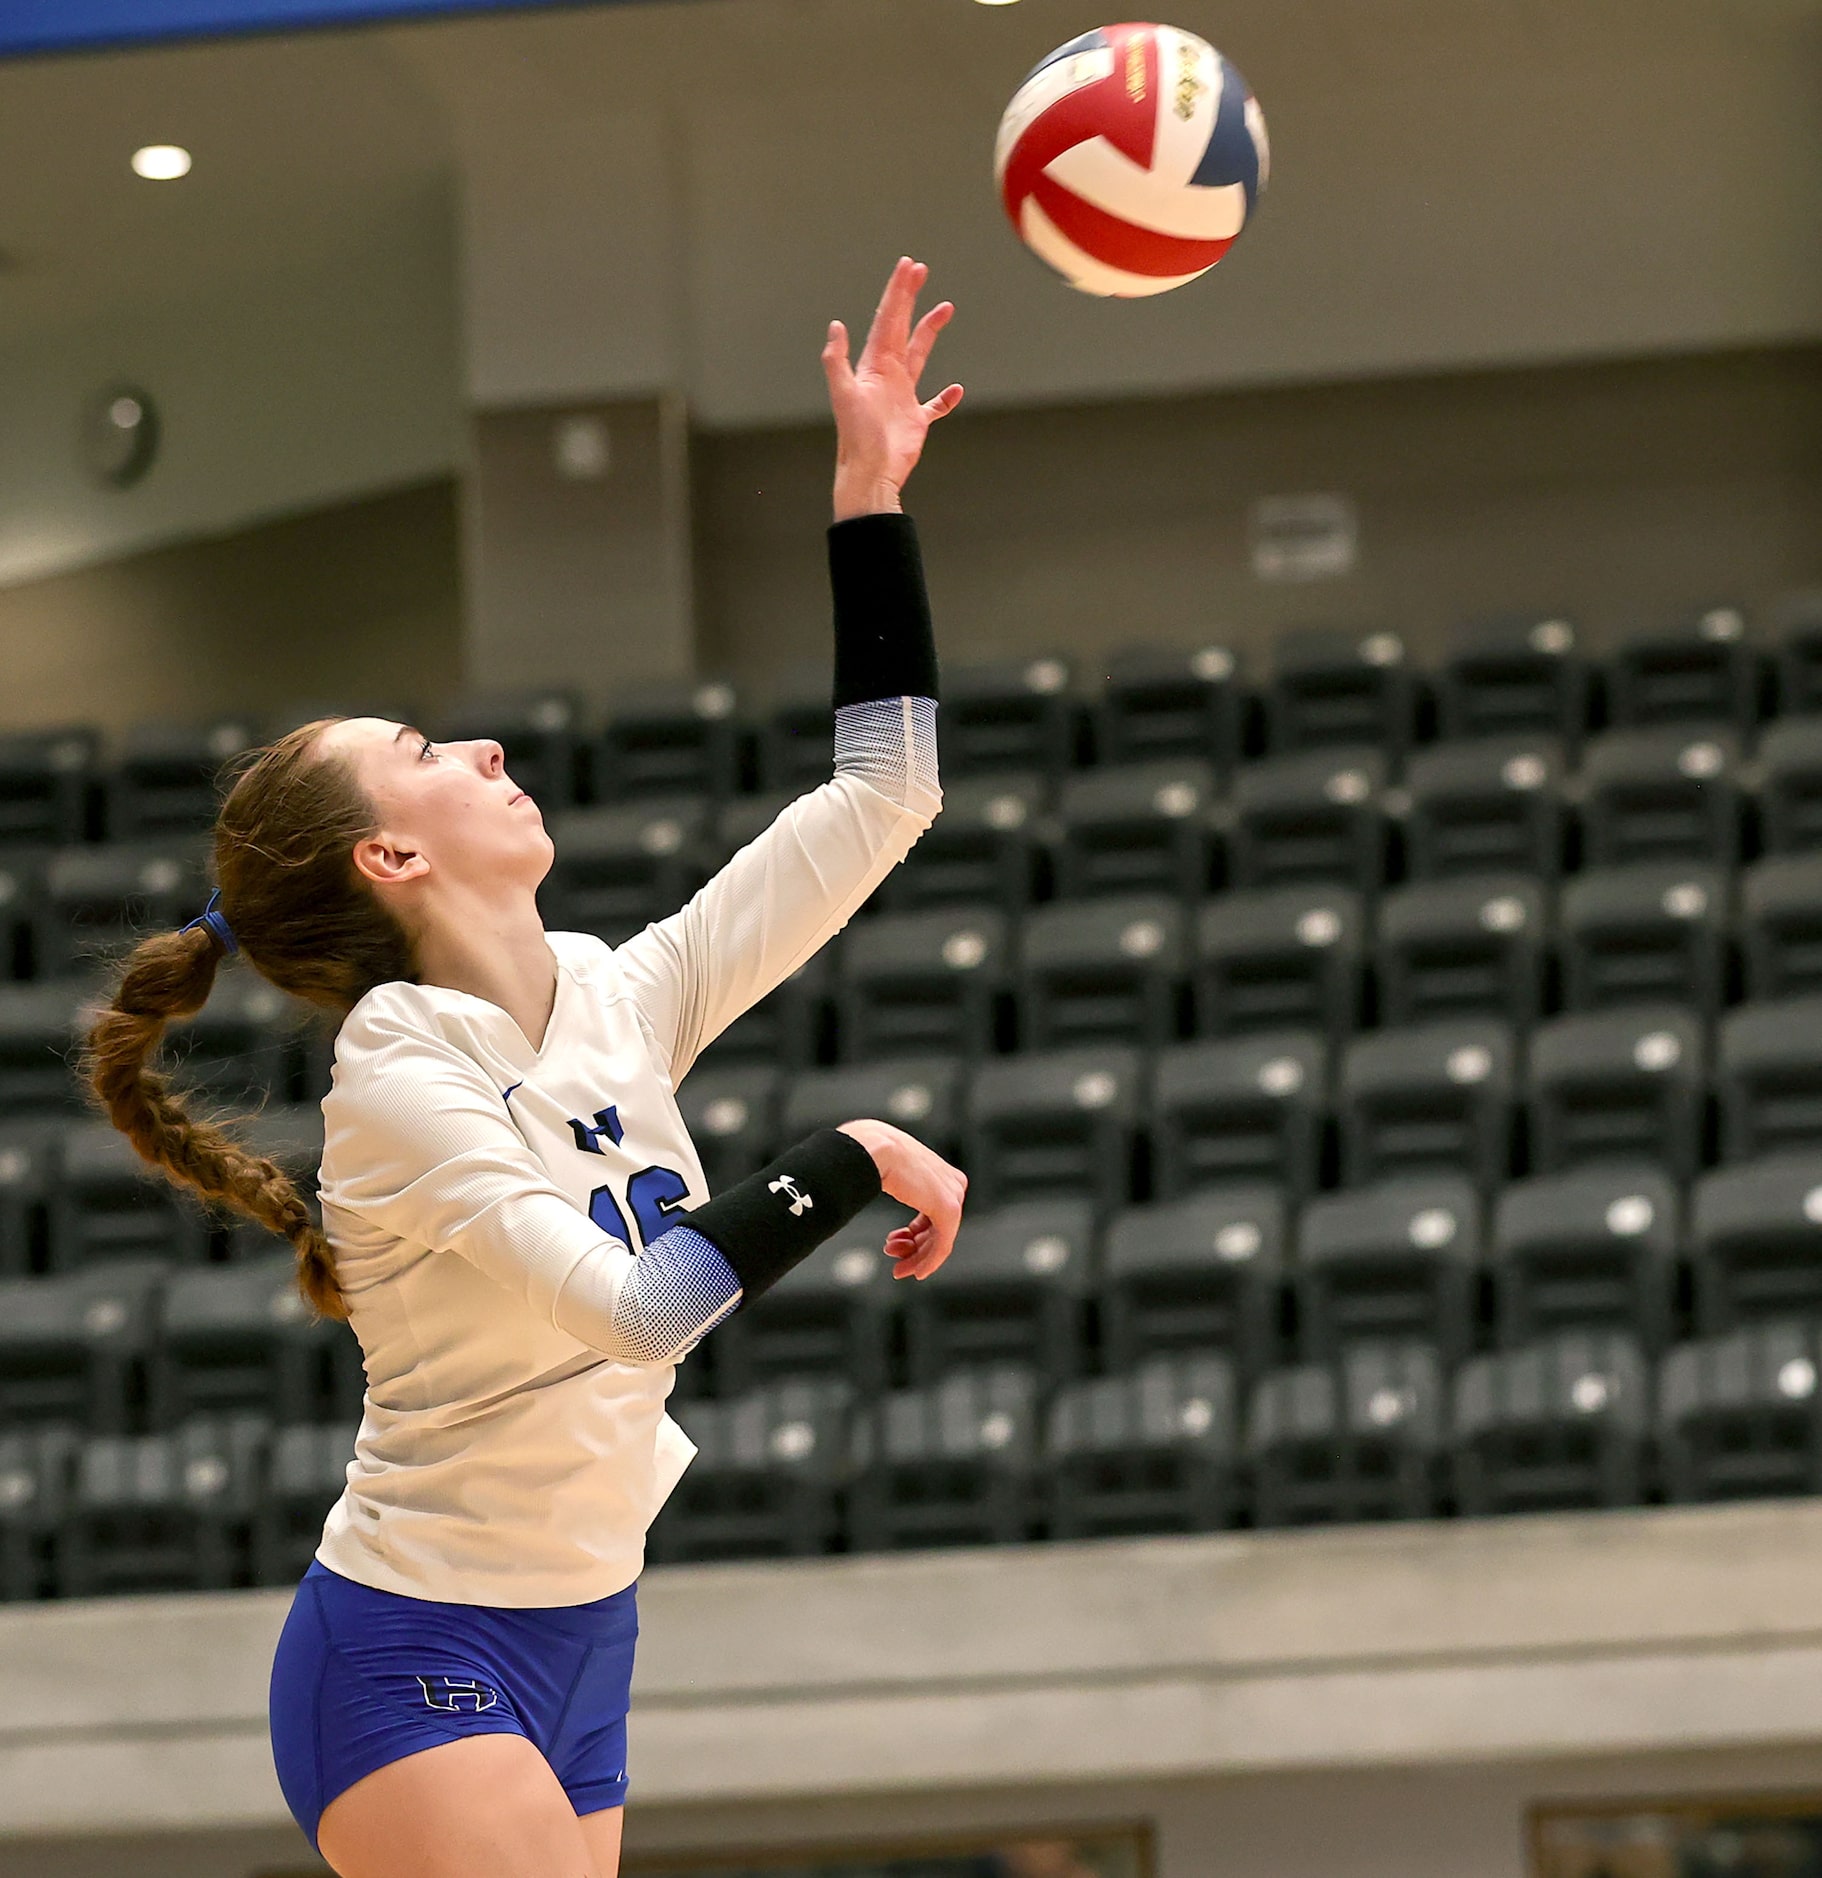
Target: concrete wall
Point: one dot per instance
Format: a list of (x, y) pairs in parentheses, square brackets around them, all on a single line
[(279, 392), (1376, 1700), (357, 601), (1619, 493)]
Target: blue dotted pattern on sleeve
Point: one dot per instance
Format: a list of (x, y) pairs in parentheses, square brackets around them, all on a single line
[(679, 1289)]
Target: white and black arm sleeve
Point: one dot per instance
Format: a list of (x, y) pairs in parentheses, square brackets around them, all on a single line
[(785, 895)]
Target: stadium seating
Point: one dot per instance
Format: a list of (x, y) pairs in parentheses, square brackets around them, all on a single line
[(1383, 1092)]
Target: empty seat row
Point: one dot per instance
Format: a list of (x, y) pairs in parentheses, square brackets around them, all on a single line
[(1179, 1443), (219, 1500), (1242, 1270), (1327, 687), (75, 1193), (971, 981), (1464, 1093)]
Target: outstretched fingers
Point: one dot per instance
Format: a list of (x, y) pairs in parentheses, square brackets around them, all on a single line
[(891, 328), (917, 353), (943, 403), (835, 366)]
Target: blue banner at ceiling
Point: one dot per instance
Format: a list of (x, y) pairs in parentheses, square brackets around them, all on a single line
[(66, 25)]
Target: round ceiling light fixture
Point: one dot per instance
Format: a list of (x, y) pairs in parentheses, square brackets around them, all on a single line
[(161, 162)]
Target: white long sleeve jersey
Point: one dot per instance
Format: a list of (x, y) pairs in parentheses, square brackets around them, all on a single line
[(486, 1202)]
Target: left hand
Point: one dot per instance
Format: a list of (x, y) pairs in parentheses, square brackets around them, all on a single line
[(880, 422)]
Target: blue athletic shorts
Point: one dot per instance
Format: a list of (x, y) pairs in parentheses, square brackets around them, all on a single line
[(363, 1678)]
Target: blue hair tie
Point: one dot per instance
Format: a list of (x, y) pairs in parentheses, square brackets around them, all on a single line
[(214, 921)]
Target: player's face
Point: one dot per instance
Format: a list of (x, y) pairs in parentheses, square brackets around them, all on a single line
[(452, 803)]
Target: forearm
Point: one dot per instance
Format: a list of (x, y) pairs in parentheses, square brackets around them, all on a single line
[(730, 1250)]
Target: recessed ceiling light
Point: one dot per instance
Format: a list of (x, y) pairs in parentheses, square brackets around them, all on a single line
[(161, 162)]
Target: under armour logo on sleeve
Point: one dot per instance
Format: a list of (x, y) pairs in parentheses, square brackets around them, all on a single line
[(451, 1693), (800, 1201)]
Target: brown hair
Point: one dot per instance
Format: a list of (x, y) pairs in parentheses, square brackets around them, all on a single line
[(284, 855)]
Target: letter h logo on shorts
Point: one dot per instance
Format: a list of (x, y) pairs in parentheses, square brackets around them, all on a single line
[(607, 1122), (454, 1693)]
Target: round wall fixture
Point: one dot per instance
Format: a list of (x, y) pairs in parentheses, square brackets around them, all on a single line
[(119, 435)]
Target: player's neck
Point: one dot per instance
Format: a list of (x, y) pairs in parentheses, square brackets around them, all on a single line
[(493, 949)]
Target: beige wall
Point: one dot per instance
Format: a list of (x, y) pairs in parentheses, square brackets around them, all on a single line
[(357, 601), (1617, 491)]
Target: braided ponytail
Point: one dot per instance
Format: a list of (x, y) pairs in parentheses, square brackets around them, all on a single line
[(168, 976), (307, 923)]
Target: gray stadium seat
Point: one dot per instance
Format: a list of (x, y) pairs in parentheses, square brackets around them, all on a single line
[(241, 1047), (833, 1315), (44, 784), (21, 912), (1354, 1439), (1561, 1423), (1515, 674), (41, 1030), (955, 1464), (1621, 1084), (1202, 1273), (241, 1336), (1239, 1109), (28, 1167), (1101, 970), (1432, 1096), (168, 1512), (1279, 959), (1395, 1261), (1699, 669), (767, 1477), (732, 1115), (983, 850), (304, 1477), (797, 734), (1740, 1416), (669, 739), (1138, 828), (167, 778), (928, 981), (1666, 794), (1593, 1249), (1756, 1241), (1314, 816), (1060, 1122), (1472, 945), (1649, 932), (1490, 806), (109, 1204), (1790, 789), (784, 1030), (73, 1349), (1332, 687), (1015, 1290), (539, 733), (1153, 1450), (99, 901), (1768, 1074), (1795, 619), (618, 869), (1010, 715), (920, 1094), (36, 1465), (1781, 925), (1158, 702)]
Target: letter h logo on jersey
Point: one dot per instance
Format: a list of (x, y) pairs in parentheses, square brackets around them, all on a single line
[(607, 1122), (455, 1693)]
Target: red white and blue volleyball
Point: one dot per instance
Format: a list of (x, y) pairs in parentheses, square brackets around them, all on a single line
[(1131, 158)]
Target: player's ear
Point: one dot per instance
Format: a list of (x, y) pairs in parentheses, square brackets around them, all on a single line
[(384, 863)]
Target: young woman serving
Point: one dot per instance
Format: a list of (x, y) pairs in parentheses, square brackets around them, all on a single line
[(514, 1218)]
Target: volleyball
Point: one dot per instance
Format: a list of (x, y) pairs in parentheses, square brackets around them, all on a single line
[(1130, 159)]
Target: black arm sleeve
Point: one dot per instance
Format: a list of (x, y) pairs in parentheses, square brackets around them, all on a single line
[(884, 647), (777, 1217)]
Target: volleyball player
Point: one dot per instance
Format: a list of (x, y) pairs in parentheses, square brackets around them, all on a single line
[(514, 1218)]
